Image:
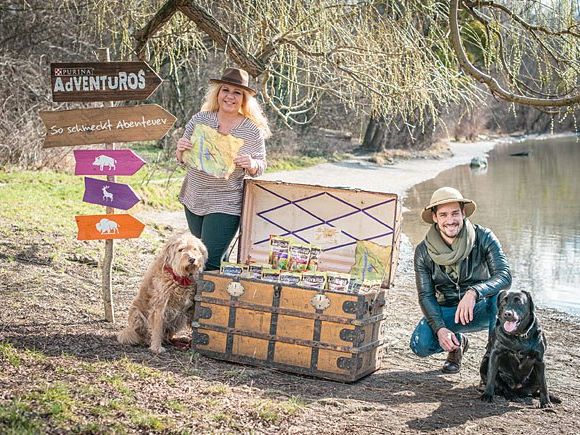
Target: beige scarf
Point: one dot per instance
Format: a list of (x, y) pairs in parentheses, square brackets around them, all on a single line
[(451, 257)]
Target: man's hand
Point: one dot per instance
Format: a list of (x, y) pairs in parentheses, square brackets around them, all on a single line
[(464, 313), (447, 340)]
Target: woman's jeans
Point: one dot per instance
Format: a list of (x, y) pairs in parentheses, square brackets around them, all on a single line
[(216, 231), (424, 341)]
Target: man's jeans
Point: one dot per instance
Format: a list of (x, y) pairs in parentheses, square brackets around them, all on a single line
[(424, 341)]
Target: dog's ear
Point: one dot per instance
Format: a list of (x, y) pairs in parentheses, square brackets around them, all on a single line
[(168, 252), (203, 250), (530, 301), (501, 296)]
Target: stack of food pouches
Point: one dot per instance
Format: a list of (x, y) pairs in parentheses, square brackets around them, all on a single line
[(296, 264)]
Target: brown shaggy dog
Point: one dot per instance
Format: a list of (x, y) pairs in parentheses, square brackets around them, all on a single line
[(164, 303)]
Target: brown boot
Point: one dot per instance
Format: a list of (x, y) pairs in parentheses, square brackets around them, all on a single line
[(453, 362)]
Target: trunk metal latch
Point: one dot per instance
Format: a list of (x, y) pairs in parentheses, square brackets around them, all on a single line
[(235, 289), (320, 301)]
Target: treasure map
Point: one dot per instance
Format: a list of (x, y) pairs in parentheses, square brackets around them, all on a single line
[(371, 261), (213, 152)]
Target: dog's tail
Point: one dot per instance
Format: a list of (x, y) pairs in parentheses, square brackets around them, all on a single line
[(128, 336)]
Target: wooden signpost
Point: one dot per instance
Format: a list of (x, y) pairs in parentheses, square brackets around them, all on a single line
[(105, 81), (102, 81), (108, 124), (107, 162), (108, 226)]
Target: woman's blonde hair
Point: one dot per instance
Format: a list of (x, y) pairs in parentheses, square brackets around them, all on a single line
[(250, 107)]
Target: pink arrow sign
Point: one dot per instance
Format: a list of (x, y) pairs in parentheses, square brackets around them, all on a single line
[(109, 194), (107, 162)]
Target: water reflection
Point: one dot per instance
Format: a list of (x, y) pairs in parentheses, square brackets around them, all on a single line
[(532, 203)]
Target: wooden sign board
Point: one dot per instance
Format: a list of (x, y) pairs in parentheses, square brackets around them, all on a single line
[(109, 194), (108, 226), (107, 162), (105, 125), (102, 81)]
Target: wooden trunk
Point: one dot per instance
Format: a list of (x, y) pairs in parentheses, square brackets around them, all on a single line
[(328, 334)]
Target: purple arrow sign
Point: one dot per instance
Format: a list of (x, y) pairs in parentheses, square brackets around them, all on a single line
[(107, 162), (109, 194)]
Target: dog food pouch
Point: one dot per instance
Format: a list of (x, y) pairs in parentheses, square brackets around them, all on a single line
[(279, 252), (314, 280), (298, 256), (354, 285), (270, 275), (337, 281), (290, 278), (255, 270), (231, 269), (315, 252), (370, 286)]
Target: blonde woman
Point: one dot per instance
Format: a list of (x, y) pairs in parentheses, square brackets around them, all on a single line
[(213, 205)]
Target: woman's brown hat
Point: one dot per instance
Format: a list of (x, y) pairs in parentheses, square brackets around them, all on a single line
[(445, 195), (237, 77)]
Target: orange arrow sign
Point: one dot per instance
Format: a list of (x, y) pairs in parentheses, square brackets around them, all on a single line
[(105, 125), (108, 226)]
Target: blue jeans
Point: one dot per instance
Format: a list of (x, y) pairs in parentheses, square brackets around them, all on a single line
[(424, 341)]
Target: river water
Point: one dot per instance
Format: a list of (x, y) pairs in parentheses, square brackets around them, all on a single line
[(532, 204)]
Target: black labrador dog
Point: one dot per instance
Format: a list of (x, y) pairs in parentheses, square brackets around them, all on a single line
[(513, 365)]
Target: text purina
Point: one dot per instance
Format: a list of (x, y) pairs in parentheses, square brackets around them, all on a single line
[(121, 82)]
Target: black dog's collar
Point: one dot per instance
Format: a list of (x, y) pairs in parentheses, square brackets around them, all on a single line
[(525, 334)]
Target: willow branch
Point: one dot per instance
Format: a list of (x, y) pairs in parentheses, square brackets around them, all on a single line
[(488, 80)]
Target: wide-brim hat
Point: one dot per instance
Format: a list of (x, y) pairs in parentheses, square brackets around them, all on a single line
[(237, 77), (445, 195)]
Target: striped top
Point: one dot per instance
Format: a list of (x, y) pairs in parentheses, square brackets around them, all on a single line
[(203, 194)]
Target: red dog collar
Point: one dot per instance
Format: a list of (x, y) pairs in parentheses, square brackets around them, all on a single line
[(183, 281)]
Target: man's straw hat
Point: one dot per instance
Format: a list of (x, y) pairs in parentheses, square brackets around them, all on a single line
[(445, 195)]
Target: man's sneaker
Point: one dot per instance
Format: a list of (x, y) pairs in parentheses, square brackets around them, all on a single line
[(453, 362)]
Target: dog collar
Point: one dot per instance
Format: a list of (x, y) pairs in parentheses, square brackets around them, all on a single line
[(525, 334), (183, 281)]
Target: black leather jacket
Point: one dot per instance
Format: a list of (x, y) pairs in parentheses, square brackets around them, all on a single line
[(485, 270)]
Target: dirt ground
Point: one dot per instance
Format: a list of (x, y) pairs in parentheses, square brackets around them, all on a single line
[(56, 349)]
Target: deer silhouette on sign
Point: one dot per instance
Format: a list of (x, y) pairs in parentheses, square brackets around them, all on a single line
[(107, 196)]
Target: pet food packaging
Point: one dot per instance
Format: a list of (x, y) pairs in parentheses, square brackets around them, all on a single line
[(314, 280), (270, 275), (231, 269), (298, 257), (369, 286), (279, 252), (255, 270), (291, 278), (337, 281), (315, 252)]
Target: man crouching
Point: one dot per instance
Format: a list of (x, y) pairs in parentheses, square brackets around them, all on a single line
[(459, 269)]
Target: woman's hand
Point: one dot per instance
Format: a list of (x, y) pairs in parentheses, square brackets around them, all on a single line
[(246, 162), (183, 144)]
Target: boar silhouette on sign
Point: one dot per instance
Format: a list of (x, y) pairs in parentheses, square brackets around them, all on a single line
[(102, 161), (106, 226)]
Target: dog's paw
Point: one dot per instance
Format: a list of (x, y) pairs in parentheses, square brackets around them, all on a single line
[(546, 405), (157, 349), (485, 397)]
